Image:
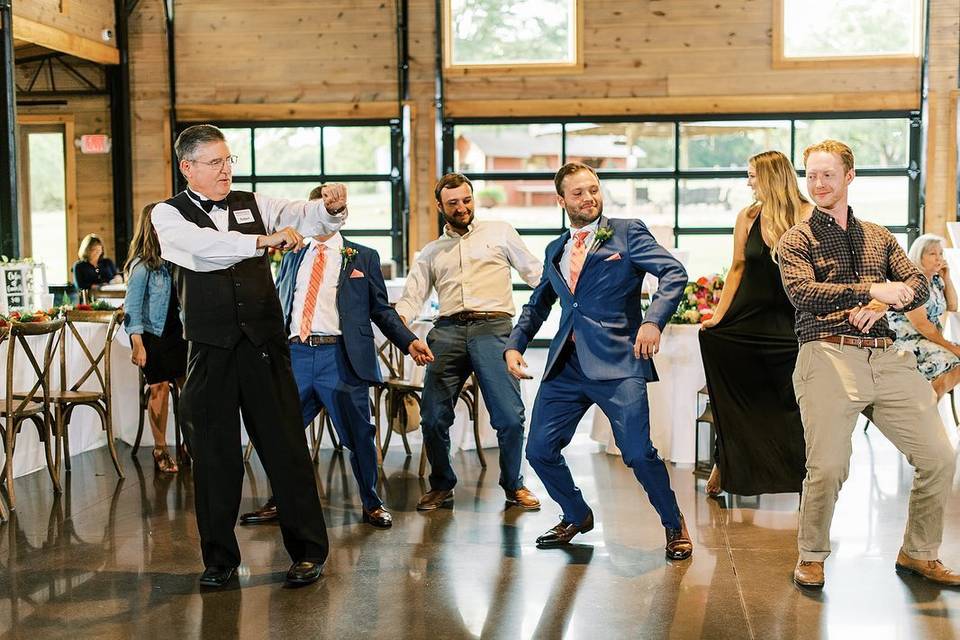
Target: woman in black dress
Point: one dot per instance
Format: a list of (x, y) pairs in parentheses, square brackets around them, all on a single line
[(749, 347), (152, 320), (93, 269)]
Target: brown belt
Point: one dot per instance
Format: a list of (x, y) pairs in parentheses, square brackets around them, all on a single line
[(315, 341), (468, 316), (860, 343)]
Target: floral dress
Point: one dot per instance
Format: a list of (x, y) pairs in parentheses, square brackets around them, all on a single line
[(932, 359)]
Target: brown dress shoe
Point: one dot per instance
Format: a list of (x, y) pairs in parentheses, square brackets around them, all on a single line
[(809, 574), (267, 513), (434, 500), (523, 498), (932, 570), (379, 518), (563, 533), (679, 545)]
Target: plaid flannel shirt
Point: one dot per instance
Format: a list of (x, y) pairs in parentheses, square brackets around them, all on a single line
[(827, 271)]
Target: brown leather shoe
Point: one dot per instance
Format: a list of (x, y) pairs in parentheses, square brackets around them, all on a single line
[(434, 500), (379, 518), (563, 533), (809, 574), (523, 498), (932, 570), (679, 546), (267, 513)]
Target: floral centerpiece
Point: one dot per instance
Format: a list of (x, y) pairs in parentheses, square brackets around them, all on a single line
[(700, 298)]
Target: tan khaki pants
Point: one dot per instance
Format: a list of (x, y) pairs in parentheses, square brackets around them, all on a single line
[(834, 384)]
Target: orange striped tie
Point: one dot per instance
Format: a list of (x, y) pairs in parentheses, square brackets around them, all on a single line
[(577, 255), (310, 303)]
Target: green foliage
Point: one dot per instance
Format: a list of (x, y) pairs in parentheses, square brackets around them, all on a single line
[(851, 27), (505, 31)]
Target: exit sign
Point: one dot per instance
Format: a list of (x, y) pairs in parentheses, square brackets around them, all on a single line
[(95, 143)]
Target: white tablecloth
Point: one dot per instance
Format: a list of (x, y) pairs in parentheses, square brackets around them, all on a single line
[(674, 403)]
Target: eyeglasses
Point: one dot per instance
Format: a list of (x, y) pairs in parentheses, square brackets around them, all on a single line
[(218, 163)]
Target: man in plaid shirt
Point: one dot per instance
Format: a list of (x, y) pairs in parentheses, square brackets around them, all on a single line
[(842, 274)]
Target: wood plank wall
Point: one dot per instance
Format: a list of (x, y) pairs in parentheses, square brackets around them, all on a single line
[(680, 56), (84, 18)]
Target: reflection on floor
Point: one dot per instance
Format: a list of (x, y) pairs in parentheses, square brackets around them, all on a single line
[(120, 559)]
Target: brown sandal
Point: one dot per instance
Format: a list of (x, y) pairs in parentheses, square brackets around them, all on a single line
[(163, 462)]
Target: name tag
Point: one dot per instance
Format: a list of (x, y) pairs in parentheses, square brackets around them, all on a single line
[(243, 216)]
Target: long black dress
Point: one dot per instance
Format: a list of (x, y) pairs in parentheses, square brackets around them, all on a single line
[(748, 358)]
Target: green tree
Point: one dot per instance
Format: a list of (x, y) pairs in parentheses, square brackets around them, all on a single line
[(505, 31)]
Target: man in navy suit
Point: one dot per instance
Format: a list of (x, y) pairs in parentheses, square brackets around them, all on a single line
[(330, 291), (601, 354)]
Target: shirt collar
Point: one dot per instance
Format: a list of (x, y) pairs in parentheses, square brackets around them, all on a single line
[(450, 233), (334, 243), (825, 218), (590, 228)]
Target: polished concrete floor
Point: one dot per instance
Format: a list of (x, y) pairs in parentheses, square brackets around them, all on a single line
[(113, 559)]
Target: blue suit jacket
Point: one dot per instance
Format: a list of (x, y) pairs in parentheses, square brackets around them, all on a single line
[(359, 301), (605, 311)]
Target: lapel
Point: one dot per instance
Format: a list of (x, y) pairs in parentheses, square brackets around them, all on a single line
[(594, 246), (554, 260), (346, 268)]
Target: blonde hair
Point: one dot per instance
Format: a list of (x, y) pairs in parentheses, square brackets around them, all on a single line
[(920, 245), (89, 241), (145, 245), (778, 195), (832, 146)]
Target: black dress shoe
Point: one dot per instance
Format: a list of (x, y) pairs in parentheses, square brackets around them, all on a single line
[(303, 573), (564, 532), (267, 513), (434, 499), (216, 576), (379, 518), (679, 546)]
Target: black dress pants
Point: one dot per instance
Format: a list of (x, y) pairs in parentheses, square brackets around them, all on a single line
[(258, 382)]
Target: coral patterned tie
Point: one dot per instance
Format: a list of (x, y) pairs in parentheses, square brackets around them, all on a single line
[(577, 255), (316, 279)]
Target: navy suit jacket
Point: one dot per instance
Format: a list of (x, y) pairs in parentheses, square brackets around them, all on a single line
[(604, 312), (359, 301)]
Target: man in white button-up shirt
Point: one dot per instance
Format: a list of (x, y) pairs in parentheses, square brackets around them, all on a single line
[(238, 355), (469, 266)]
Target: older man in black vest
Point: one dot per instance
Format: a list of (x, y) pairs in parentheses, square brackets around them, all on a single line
[(239, 360)]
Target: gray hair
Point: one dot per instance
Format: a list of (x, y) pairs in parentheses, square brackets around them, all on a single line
[(921, 244), (193, 137)]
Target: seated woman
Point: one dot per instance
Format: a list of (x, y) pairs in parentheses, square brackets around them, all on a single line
[(92, 269), (921, 330), (152, 321)]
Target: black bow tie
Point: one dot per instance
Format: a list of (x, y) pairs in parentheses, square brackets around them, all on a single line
[(208, 205)]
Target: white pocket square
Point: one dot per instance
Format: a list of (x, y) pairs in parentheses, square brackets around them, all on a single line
[(612, 257)]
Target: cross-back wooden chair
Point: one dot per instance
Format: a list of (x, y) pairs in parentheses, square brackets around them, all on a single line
[(17, 406), (97, 371), (182, 455)]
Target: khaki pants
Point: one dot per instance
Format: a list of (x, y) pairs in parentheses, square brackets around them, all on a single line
[(834, 384)]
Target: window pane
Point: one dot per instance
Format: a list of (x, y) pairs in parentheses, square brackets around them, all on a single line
[(241, 186), (629, 146), (370, 205), (876, 143), (48, 205), (512, 31), (239, 142), (881, 199), (549, 327), (481, 148), (356, 150), (713, 203), (383, 244), (288, 190), (537, 246), (826, 28), (708, 253), (649, 200), (729, 145), (526, 204), (287, 151)]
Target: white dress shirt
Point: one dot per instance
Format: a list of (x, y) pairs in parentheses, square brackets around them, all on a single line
[(326, 320), (591, 230), (470, 272), (203, 249)]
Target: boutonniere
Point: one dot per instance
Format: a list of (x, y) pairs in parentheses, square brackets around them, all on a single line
[(348, 254), (602, 235)]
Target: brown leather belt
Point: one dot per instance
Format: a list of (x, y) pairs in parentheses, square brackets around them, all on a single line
[(860, 343), (469, 316), (315, 341)]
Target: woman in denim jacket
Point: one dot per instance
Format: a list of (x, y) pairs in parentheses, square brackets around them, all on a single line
[(156, 334)]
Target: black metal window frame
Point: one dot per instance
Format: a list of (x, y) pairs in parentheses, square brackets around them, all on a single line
[(395, 233), (912, 170)]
